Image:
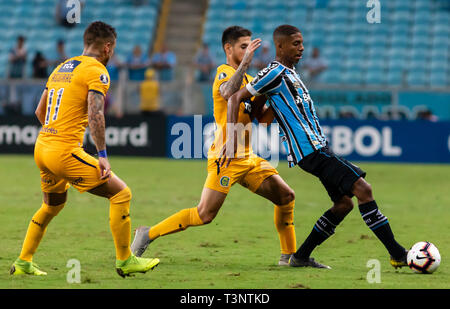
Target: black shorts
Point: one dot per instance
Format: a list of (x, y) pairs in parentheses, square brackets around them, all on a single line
[(336, 174)]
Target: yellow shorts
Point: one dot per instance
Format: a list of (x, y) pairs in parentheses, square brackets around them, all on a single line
[(62, 167), (249, 172)]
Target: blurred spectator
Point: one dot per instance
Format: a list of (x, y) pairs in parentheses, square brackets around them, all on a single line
[(60, 52), (113, 67), (427, 115), (205, 64), (314, 65), (63, 8), (39, 66), (264, 57), (164, 63), (137, 64), (17, 59), (150, 102)]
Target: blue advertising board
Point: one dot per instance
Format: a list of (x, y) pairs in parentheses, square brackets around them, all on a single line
[(382, 141)]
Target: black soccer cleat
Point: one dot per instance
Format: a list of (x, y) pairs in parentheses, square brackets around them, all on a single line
[(399, 263)]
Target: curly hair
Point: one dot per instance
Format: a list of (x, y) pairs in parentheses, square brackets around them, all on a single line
[(97, 32)]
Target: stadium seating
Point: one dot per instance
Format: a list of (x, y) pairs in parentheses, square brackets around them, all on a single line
[(36, 21), (411, 40), (413, 35)]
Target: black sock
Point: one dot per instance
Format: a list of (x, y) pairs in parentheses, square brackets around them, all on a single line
[(323, 229), (379, 224)]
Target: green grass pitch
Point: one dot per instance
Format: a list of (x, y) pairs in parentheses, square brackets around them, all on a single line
[(240, 248)]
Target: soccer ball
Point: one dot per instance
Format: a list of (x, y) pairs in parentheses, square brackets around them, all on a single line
[(424, 257)]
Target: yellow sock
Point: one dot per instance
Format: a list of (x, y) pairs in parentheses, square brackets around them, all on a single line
[(120, 223), (284, 222), (175, 223), (37, 228)]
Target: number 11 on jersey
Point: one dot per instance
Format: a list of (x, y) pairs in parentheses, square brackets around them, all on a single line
[(59, 94)]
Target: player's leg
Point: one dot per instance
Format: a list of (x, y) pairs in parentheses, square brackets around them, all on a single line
[(215, 190), (52, 204), (54, 188), (204, 213), (323, 229), (334, 175), (377, 222), (119, 196), (275, 189), (83, 171), (343, 180)]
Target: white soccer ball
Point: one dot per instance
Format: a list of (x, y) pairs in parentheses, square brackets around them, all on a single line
[(424, 257)]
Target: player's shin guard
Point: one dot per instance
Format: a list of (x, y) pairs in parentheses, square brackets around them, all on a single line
[(284, 223), (321, 231), (120, 223), (379, 224), (37, 228), (177, 222)]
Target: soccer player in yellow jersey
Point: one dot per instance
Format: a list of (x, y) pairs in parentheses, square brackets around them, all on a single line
[(73, 99), (250, 171)]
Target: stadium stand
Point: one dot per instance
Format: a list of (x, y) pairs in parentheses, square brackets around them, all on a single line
[(409, 47), (36, 21)]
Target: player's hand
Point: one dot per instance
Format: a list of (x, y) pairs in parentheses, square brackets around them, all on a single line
[(250, 51), (228, 152), (105, 168)]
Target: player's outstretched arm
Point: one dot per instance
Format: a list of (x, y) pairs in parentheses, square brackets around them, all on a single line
[(40, 109), (228, 88), (96, 103)]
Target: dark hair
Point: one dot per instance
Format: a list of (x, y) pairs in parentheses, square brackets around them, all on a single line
[(233, 33), (98, 31), (284, 30)]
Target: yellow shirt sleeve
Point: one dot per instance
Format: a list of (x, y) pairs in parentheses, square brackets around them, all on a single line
[(97, 79), (224, 73)]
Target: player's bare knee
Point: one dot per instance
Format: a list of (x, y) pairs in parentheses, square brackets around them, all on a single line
[(342, 207), (362, 190), (290, 196), (287, 197), (348, 205), (53, 210), (55, 199), (123, 196), (206, 215)]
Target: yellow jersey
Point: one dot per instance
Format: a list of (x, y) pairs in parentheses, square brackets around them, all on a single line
[(66, 115), (224, 73)]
